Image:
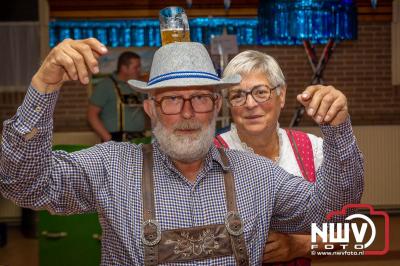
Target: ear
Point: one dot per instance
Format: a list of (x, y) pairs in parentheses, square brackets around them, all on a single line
[(282, 96), (148, 108)]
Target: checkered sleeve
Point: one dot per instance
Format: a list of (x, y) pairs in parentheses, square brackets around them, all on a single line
[(31, 174), (346, 173), (340, 181)]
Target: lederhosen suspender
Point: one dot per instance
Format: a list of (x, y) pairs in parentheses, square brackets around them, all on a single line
[(194, 243), (120, 106), (151, 231), (233, 221)]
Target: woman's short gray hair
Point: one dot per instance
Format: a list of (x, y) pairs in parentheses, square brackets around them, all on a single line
[(249, 61)]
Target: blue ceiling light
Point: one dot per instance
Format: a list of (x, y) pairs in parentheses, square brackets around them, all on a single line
[(289, 22), (307, 22)]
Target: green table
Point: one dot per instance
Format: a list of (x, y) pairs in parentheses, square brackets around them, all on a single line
[(71, 240)]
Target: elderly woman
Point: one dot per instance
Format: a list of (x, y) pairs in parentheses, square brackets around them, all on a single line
[(256, 129)]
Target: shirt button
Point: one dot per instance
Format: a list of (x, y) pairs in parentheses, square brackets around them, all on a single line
[(38, 109)]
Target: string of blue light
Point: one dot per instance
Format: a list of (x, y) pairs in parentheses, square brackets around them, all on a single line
[(283, 22), (289, 22)]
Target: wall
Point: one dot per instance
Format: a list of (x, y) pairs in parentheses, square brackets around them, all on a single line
[(361, 69), (380, 148), (70, 113)]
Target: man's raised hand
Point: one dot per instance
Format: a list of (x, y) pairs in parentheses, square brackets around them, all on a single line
[(69, 60), (324, 104)]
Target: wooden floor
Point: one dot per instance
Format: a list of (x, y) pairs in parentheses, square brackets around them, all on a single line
[(19, 251)]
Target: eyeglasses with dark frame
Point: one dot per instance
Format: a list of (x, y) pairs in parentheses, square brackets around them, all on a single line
[(200, 103), (260, 94)]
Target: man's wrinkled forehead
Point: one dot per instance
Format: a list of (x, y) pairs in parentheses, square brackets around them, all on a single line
[(183, 91)]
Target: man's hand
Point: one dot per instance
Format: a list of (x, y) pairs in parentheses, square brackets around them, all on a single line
[(69, 60), (284, 247), (324, 104)]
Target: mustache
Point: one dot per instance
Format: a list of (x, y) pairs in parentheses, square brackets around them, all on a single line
[(188, 125)]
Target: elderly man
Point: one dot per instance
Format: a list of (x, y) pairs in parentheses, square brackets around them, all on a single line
[(181, 199)]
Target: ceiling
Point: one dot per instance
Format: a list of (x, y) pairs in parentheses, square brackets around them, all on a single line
[(89, 9), (143, 4)]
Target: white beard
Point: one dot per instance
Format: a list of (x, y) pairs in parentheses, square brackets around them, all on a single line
[(185, 149)]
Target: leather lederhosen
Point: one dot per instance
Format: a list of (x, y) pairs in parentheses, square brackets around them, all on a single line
[(193, 243)]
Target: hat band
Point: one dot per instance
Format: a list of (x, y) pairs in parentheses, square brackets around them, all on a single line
[(182, 74)]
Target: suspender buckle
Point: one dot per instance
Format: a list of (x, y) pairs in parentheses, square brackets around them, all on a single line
[(233, 223), (151, 233)]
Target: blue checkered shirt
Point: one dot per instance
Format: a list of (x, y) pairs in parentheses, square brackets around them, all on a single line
[(107, 179)]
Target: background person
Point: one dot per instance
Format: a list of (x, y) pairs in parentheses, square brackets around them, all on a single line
[(115, 111)]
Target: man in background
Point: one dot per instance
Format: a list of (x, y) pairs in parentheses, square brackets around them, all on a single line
[(115, 111)]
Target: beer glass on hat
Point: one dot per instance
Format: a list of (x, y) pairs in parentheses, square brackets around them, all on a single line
[(174, 25)]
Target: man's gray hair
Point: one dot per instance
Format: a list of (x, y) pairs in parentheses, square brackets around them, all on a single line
[(254, 61)]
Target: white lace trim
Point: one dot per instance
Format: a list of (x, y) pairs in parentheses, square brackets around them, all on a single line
[(236, 139)]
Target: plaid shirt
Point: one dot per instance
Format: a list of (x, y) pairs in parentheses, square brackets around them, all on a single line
[(107, 179)]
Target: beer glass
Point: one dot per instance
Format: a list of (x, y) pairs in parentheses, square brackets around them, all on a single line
[(174, 25)]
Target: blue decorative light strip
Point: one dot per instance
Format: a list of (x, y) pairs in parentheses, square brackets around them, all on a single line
[(289, 22), (279, 22), (146, 32)]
